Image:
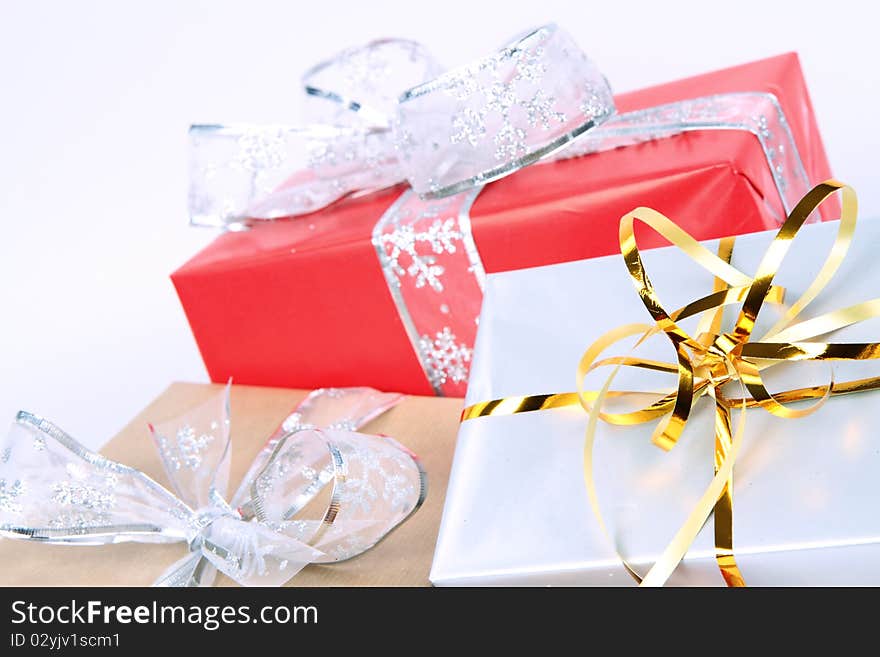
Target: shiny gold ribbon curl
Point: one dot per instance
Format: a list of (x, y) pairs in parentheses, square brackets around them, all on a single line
[(710, 359)]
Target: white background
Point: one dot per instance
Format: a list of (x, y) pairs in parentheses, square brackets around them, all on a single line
[(97, 98)]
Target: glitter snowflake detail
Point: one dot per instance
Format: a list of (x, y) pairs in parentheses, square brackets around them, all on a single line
[(76, 471), (503, 103), (762, 126), (294, 422), (358, 493), (353, 544), (596, 105), (375, 476), (80, 519), (187, 452), (469, 126), (530, 65), (398, 491), (343, 425), (775, 154), (501, 97), (320, 154), (510, 142), (403, 139), (9, 492), (441, 236), (233, 561), (445, 358), (260, 149), (301, 530), (464, 85), (366, 70), (4, 457), (83, 496), (283, 467), (541, 111)]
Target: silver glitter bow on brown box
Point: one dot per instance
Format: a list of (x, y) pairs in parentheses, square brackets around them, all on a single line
[(318, 492)]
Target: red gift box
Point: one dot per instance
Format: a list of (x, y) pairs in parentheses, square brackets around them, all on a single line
[(303, 303)]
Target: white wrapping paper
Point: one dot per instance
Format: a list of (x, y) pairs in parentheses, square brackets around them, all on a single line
[(805, 491)]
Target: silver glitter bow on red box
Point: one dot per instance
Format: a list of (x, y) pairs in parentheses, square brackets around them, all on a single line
[(54, 490), (386, 113)]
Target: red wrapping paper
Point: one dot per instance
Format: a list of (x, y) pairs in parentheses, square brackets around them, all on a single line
[(303, 302)]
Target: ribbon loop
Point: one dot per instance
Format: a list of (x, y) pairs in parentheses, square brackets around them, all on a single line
[(364, 83), (383, 113), (498, 114), (328, 408)]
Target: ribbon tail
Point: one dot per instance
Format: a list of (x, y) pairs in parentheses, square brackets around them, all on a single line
[(681, 542), (594, 412), (723, 513), (194, 449), (191, 570), (55, 490)]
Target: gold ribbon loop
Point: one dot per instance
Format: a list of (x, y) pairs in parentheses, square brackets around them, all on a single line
[(711, 359)]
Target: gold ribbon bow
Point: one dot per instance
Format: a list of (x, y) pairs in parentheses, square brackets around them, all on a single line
[(710, 359)]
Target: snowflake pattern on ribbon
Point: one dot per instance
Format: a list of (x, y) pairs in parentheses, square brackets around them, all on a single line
[(377, 476), (186, 451), (366, 69), (83, 495), (510, 102), (445, 357), (9, 491), (84, 500), (261, 149), (411, 247), (280, 469)]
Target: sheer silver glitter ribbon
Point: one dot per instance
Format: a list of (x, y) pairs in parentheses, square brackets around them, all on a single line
[(384, 116), (755, 112), (52, 489), (436, 279)]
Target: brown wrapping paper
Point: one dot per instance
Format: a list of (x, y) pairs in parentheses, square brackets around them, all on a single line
[(427, 425)]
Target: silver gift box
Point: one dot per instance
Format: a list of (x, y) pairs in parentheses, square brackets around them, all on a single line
[(805, 490)]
